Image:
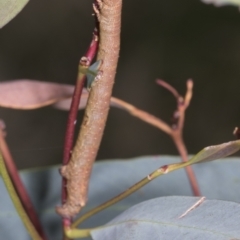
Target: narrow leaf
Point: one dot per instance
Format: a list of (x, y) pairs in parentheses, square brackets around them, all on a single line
[(207, 154), (9, 9), (31, 94), (216, 152)]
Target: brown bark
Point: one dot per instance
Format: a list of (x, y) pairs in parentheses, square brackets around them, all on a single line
[(78, 171)]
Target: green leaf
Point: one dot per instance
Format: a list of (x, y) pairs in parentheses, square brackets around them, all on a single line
[(216, 152), (163, 218), (217, 180), (9, 9), (207, 154)]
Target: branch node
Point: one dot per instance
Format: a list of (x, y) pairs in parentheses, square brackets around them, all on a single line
[(84, 61)]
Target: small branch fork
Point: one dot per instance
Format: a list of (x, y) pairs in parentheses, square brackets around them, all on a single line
[(177, 128), (174, 131)]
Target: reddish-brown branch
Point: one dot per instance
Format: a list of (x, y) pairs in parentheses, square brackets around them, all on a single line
[(183, 103), (86, 61), (179, 143), (177, 128), (174, 131), (72, 117), (178, 139), (144, 116), (18, 184)]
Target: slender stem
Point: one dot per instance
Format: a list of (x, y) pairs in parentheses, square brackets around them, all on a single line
[(207, 154), (18, 185), (178, 140), (17, 203), (183, 104), (175, 132), (158, 172), (84, 62), (71, 123), (119, 197), (170, 88), (144, 116)]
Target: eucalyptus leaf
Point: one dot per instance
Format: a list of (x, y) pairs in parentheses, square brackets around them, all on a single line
[(207, 154), (30, 94), (216, 152), (26, 94), (9, 9), (217, 180), (160, 218)]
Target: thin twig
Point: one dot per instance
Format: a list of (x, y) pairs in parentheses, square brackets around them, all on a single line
[(168, 87), (160, 171), (84, 62), (144, 116), (206, 154), (179, 143), (182, 105), (18, 184), (174, 131), (78, 170), (177, 132)]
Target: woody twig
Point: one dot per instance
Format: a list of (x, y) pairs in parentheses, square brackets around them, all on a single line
[(175, 131)]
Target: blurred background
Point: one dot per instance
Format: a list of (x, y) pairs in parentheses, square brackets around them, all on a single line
[(172, 40)]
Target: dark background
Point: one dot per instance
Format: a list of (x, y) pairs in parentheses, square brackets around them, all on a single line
[(172, 40)]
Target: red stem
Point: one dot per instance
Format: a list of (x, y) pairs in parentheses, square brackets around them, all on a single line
[(72, 116), (19, 187), (178, 140)]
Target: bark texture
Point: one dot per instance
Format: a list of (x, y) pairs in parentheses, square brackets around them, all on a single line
[(78, 171)]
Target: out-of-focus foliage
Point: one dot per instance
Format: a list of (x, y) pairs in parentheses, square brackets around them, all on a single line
[(9, 9), (219, 3)]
